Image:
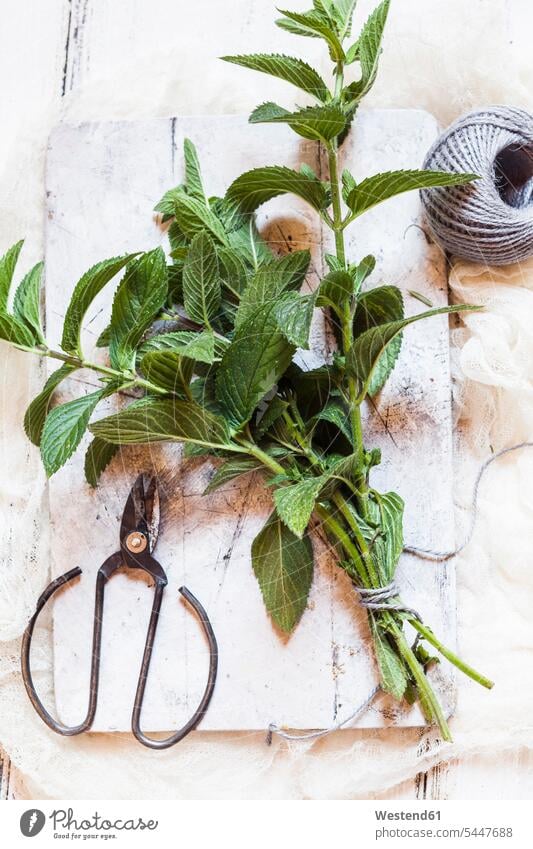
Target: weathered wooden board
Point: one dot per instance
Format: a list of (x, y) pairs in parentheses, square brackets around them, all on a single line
[(102, 182)]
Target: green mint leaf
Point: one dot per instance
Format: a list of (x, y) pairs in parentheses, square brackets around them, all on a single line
[(294, 314), (313, 25), (202, 347), (86, 290), (335, 290), (253, 188), (317, 123), (367, 349), (295, 503), (27, 301), (252, 365), (348, 183), (275, 409), (363, 270), (97, 458), (168, 370), (38, 409), (193, 174), (381, 187), (165, 420), (343, 12), (201, 284), (231, 469), (388, 546), (247, 241), (368, 52), (7, 269), (379, 306), (232, 270), (283, 566), (63, 429), (336, 414), (392, 672), (13, 330), (293, 71), (192, 216), (138, 300), (270, 281)]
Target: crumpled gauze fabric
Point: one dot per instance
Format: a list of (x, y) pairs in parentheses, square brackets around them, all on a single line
[(446, 56)]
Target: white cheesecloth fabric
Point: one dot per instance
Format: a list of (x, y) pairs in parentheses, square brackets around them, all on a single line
[(446, 56)]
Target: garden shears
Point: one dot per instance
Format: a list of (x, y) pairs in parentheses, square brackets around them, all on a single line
[(138, 536)]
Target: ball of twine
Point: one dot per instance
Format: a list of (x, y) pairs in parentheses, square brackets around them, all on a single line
[(491, 219)]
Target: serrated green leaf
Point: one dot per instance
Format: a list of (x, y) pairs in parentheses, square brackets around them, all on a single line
[(280, 275), (335, 413), (363, 270), (63, 429), (348, 183), (193, 174), (138, 300), (192, 217), (231, 469), (344, 13), (247, 241), (317, 123), (392, 672), (201, 285), (275, 409), (38, 409), (27, 301), (335, 290), (201, 347), (367, 349), (294, 314), (232, 270), (97, 457), (255, 360), (169, 370), (253, 188), (165, 420), (283, 566), (287, 68), (379, 306), (374, 190), (368, 51), (13, 330), (295, 503), (314, 25), (86, 290), (7, 269)]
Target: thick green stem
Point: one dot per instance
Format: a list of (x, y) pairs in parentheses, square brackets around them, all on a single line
[(449, 655), (127, 377), (427, 696), (347, 333)]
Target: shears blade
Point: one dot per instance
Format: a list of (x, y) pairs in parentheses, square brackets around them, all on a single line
[(141, 512)]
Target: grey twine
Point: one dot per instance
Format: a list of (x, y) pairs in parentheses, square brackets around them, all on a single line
[(387, 598), (491, 219)]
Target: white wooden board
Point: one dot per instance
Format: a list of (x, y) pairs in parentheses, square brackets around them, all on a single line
[(102, 182)]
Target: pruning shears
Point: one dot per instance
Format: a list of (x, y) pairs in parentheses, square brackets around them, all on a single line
[(138, 536)]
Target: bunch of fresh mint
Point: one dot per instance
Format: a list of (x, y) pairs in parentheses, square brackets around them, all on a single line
[(207, 341)]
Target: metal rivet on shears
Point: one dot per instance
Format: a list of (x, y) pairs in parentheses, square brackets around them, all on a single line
[(138, 535), (136, 542)]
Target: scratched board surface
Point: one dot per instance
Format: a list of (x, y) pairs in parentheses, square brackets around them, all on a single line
[(102, 182)]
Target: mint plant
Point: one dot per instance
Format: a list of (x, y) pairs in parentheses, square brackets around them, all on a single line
[(205, 342)]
